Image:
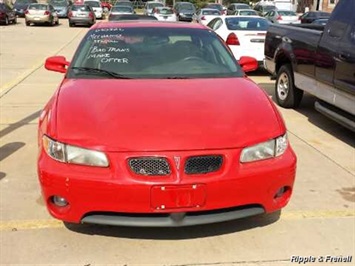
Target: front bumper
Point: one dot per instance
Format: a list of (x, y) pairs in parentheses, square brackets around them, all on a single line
[(116, 196)]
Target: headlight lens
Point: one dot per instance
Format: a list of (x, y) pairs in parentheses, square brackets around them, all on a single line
[(72, 154), (265, 150)]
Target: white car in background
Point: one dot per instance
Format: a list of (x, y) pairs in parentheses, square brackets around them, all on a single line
[(246, 12), (205, 15), (245, 35), (164, 13), (96, 6)]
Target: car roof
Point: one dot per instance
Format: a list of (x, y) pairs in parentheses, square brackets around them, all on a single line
[(146, 24)]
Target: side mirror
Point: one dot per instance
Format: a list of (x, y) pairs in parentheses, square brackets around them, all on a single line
[(248, 63), (57, 64)]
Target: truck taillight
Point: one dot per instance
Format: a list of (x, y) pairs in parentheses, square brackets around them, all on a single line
[(70, 14), (203, 18), (279, 18), (232, 39), (91, 15), (46, 13), (27, 12)]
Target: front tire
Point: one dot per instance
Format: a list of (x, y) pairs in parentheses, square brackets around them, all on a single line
[(6, 20), (71, 24), (28, 23), (286, 93)]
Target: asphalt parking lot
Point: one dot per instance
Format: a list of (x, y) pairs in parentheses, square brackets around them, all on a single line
[(318, 222)]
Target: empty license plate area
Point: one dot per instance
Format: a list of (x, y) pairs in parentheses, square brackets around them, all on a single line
[(175, 197)]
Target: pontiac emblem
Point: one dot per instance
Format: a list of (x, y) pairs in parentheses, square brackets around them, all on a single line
[(177, 162)]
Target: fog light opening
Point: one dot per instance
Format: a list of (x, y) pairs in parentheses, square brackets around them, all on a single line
[(283, 194), (59, 201)]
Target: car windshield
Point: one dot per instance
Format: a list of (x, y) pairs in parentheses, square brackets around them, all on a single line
[(23, 1), (242, 6), (58, 3), (166, 11), (211, 12), (215, 6), (247, 23), (152, 5), (37, 7), (247, 13), (186, 6), (122, 9), (287, 13), (268, 8), (80, 8), (92, 3), (153, 53)]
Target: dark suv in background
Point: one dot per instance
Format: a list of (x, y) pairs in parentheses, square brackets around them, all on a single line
[(20, 6), (184, 11)]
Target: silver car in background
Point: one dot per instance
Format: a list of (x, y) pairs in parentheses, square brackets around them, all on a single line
[(81, 15), (282, 17), (246, 12), (41, 14)]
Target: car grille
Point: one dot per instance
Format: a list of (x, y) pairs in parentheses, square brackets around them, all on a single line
[(203, 164), (149, 166)]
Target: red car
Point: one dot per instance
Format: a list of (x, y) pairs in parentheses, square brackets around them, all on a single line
[(156, 124)]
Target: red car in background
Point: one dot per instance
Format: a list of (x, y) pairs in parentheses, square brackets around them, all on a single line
[(156, 124), (106, 6)]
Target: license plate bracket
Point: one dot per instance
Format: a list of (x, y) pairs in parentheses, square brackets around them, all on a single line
[(178, 196)]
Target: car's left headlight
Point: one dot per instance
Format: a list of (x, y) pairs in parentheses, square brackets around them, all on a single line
[(265, 150), (72, 154)]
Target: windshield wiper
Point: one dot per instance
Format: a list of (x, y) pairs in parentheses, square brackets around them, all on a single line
[(102, 71), (177, 77)]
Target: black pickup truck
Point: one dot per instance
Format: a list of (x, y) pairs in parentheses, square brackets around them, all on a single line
[(316, 59)]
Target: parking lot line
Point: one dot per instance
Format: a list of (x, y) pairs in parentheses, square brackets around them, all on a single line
[(16, 225), (7, 87)]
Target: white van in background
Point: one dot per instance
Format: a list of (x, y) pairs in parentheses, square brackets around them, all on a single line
[(290, 5)]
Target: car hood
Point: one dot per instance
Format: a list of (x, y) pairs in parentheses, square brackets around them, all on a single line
[(162, 115)]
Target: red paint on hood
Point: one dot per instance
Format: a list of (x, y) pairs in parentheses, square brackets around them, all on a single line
[(158, 115)]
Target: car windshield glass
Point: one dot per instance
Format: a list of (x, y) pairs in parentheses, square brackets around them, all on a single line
[(215, 6), (37, 7), (121, 9), (166, 11), (247, 23), (186, 7), (211, 12), (247, 13), (287, 13), (58, 3), (123, 4), (268, 8), (153, 53), (152, 5), (22, 1), (80, 8), (92, 3), (242, 7)]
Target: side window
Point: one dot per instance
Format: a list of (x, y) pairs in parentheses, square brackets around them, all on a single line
[(211, 23), (218, 24), (340, 19)]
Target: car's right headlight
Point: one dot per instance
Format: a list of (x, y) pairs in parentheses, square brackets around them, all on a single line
[(265, 150), (72, 154)]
